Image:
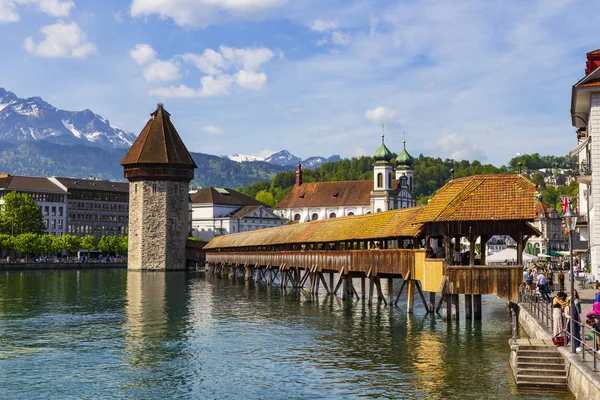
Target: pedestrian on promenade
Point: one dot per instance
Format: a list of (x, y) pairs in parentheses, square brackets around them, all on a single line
[(577, 327), (558, 302), (597, 298), (561, 281), (593, 319), (577, 300), (528, 279), (541, 283), (550, 280)]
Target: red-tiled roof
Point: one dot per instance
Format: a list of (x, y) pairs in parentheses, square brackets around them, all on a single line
[(159, 143), (330, 194), (94, 184), (223, 196), (482, 198)]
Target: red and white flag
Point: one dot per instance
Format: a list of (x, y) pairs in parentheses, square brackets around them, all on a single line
[(566, 202)]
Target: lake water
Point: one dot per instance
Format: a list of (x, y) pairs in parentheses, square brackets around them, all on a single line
[(113, 334)]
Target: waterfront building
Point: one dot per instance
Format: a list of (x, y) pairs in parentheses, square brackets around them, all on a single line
[(95, 207), (51, 198), (549, 222), (159, 169), (585, 117), (219, 211), (313, 201)]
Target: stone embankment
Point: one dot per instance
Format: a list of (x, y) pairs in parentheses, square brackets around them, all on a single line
[(63, 265), (582, 380)]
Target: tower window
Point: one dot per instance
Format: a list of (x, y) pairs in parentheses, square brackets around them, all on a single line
[(389, 180), (379, 180), (154, 188)]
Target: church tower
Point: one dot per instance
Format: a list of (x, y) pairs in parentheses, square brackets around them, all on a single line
[(382, 196), (404, 173), (159, 169)]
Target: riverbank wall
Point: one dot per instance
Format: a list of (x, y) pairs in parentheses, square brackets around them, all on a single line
[(582, 381), (52, 266)]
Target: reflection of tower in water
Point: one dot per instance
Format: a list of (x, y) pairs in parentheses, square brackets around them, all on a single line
[(155, 314)]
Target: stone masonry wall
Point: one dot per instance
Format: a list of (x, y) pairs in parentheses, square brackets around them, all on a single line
[(158, 225)]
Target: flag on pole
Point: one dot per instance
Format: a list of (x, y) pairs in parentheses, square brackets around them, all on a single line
[(565, 203)]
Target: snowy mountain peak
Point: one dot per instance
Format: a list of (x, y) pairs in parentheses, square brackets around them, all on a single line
[(284, 158), (35, 119)]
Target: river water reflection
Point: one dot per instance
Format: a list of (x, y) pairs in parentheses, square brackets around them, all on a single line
[(113, 334)]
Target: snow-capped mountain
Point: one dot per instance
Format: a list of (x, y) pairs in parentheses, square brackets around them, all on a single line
[(285, 159), (34, 119)]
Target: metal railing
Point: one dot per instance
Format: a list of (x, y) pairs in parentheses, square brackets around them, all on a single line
[(543, 311)]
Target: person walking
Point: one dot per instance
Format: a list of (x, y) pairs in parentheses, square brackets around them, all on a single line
[(558, 302), (541, 283), (561, 281), (577, 327), (550, 280), (577, 300)]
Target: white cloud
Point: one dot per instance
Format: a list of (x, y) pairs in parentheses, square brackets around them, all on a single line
[(54, 8), (320, 25), (173, 91), (61, 40), (381, 114), (460, 147), (200, 13), (161, 71), (250, 79), (250, 58), (214, 85), (210, 61), (213, 130), (142, 54), (340, 38)]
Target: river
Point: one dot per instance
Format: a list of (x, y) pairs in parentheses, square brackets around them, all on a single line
[(113, 334)]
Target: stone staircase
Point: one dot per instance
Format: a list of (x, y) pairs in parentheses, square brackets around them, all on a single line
[(537, 364)]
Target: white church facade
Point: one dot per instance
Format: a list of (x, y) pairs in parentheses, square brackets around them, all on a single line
[(389, 190)]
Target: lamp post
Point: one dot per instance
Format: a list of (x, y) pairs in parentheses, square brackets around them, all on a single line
[(570, 219)]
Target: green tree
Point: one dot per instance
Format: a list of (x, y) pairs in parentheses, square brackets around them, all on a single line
[(6, 242), (25, 243), (21, 214), (88, 242), (49, 244), (122, 244), (70, 243), (266, 197), (106, 244)]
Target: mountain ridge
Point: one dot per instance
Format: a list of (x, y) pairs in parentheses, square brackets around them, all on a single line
[(34, 119)]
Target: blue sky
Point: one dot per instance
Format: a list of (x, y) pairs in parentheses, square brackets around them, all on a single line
[(466, 79)]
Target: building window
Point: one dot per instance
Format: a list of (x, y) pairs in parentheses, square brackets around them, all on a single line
[(350, 214), (297, 217), (389, 180), (332, 215), (379, 180), (60, 211), (379, 210), (314, 217)]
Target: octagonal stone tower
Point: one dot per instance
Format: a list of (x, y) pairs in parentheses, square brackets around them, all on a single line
[(159, 169)]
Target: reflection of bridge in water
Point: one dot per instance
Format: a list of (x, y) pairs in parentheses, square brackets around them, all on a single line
[(389, 246)]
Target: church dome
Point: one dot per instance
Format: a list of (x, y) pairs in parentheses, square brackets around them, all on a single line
[(383, 153), (404, 159)]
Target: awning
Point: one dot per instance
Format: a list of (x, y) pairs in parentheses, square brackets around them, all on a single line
[(580, 146)]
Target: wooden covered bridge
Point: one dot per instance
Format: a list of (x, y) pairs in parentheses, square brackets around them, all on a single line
[(395, 245)]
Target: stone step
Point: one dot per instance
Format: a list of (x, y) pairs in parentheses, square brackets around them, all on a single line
[(541, 385), (531, 365), (542, 378), (536, 353), (540, 360), (541, 371)]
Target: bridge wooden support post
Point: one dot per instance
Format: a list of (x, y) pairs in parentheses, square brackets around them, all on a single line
[(448, 307), (390, 290), (380, 296), (362, 288), (345, 287), (331, 281), (455, 307), (477, 307), (431, 302), (247, 274), (371, 288), (231, 272), (468, 306), (410, 303), (269, 275)]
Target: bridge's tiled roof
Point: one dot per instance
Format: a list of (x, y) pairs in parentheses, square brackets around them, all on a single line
[(482, 198), (390, 224)]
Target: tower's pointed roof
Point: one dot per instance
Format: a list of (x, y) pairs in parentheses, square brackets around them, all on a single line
[(383, 153), (159, 143), (404, 159)]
